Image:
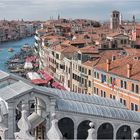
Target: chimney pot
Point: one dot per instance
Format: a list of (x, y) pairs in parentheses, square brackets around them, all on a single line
[(108, 62), (129, 70)]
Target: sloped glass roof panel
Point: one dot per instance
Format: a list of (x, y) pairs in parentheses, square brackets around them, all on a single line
[(96, 110), (121, 114), (101, 111), (84, 98), (3, 84), (85, 108), (113, 113), (3, 75), (131, 115), (14, 90)]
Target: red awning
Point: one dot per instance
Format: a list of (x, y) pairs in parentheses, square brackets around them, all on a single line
[(39, 81), (61, 87), (55, 84), (45, 75), (58, 86), (41, 71), (48, 79)]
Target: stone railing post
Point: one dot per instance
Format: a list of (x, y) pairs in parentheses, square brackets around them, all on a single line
[(24, 126), (91, 132), (54, 132)]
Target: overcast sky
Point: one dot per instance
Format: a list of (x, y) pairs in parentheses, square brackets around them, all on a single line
[(43, 9)]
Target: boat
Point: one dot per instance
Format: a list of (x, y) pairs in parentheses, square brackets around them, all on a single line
[(25, 47), (10, 50)]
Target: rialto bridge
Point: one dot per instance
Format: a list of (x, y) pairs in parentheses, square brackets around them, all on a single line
[(73, 111)]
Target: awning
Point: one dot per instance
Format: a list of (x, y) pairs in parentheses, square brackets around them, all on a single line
[(61, 87), (58, 86), (41, 71), (39, 81), (33, 75), (55, 84), (45, 75), (28, 65)]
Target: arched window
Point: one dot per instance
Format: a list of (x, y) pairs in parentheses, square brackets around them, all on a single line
[(105, 131), (123, 133), (82, 131), (66, 126)]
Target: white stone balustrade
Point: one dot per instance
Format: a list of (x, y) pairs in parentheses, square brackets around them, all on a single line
[(24, 126), (91, 132), (54, 132)]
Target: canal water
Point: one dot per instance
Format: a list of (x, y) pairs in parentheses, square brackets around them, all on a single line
[(16, 45)]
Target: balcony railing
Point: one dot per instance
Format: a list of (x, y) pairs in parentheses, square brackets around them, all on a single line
[(83, 75), (37, 38), (36, 45), (83, 86)]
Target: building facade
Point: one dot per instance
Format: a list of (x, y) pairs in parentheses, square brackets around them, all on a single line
[(119, 80)]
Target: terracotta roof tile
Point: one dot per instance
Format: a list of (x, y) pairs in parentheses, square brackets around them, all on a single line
[(119, 67), (65, 48), (89, 49)]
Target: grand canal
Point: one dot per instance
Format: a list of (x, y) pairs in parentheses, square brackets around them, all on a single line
[(16, 45)]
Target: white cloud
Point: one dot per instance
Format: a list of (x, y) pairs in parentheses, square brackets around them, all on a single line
[(2, 5), (40, 9)]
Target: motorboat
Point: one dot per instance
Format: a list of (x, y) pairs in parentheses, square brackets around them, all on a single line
[(10, 50)]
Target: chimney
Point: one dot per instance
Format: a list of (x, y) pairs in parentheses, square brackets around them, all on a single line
[(108, 62), (129, 70), (113, 57)]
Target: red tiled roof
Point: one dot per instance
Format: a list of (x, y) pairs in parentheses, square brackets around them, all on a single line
[(78, 41), (65, 48), (89, 49), (119, 67)]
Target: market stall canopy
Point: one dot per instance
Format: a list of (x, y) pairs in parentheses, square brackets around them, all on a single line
[(61, 87), (45, 75), (33, 75), (55, 84), (39, 81), (28, 65)]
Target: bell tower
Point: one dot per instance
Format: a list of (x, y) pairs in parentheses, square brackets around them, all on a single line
[(115, 20)]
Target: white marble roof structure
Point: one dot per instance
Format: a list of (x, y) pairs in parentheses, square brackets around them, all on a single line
[(70, 101)]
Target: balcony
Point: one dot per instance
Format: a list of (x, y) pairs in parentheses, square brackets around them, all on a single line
[(36, 45), (83, 86), (37, 38), (83, 75)]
